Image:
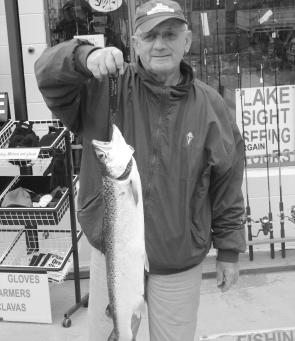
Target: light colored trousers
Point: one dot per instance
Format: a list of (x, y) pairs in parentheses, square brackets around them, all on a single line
[(173, 302)]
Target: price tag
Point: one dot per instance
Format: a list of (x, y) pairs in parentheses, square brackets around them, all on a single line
[(19, 153)]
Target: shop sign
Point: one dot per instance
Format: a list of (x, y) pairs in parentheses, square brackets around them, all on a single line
[(258, 111), (283, 334), (24, 297), (105, 5)]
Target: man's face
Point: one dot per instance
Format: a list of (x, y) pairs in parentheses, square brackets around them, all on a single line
[(161, 49)]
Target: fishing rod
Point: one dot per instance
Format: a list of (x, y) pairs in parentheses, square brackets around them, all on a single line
[(206, 65), (201, 34), (218, 49), (187, 13), (248, 209), (267, 222), (203, 51), (281, 203), (76, 17)]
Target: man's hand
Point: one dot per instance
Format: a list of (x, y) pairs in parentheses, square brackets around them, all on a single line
[(227, 274), (104, 62)]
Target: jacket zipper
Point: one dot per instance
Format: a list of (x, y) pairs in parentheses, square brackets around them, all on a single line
[(153, 159)]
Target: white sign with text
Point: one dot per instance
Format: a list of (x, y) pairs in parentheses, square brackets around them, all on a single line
[(24, 297), (280, 334), (19, 153), (267, 116)]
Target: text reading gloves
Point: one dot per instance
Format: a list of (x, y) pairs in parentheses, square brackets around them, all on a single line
[(23, 136), (57, 169)]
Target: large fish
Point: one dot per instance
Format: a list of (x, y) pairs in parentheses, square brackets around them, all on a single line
[(123, 232)]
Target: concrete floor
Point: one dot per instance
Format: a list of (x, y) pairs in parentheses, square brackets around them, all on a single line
[(263, 299)]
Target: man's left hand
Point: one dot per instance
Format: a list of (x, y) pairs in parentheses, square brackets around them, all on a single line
[(227, 274)]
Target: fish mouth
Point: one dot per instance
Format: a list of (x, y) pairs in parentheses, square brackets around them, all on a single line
[(114, 156), (127, 171)]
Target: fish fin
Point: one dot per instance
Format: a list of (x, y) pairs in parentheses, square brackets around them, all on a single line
[(108, 311), (140, 309), (146, 262), (134, 191), (113, 336), (135, 323)]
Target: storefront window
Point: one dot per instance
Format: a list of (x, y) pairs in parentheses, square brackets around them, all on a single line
[(248, 48), (243, 48), (69, 18)]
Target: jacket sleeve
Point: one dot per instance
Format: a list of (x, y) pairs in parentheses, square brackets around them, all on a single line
[(226, 155), (64, 81)]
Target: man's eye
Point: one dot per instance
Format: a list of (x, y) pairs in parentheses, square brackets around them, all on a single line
[(148, 37), (169, 35)]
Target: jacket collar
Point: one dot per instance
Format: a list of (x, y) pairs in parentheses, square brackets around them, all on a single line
[(176, 91)]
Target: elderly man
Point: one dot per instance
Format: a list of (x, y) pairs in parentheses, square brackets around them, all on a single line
[(188, 150)]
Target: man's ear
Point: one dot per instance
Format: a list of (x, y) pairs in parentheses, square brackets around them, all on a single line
[(134, 42), (188, 41)]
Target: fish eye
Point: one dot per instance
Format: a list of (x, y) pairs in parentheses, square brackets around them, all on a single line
[(101, 155)]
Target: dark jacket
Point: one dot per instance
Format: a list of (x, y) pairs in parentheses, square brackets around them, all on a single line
[(188, 150)]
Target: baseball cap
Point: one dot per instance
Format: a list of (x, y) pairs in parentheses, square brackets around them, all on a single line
[(19, 197), (153, 12)]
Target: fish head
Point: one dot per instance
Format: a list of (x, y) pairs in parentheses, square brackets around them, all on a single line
[(115, 156)]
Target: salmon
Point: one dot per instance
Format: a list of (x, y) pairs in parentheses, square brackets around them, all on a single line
[(123, 232)]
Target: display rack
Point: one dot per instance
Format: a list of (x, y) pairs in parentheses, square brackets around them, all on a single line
[(44, 152), (28, 248)]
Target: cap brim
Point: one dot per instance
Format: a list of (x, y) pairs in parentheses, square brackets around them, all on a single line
[(153, 22)]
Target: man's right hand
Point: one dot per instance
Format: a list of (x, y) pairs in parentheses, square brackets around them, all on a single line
[(104, 62)]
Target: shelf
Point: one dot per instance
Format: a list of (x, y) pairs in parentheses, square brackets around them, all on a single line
[(30, 249), (32, 215), (42, 152)]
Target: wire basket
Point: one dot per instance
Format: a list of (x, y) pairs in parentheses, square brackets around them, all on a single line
[(7, 236), (40, 128), (43, 249), (31, 215), (5, 181)]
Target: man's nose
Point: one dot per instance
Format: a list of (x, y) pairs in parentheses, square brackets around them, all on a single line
[(159, 41)]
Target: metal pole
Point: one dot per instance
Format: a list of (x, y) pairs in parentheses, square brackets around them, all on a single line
[(16, 60), (70, 175), (131, 16)]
